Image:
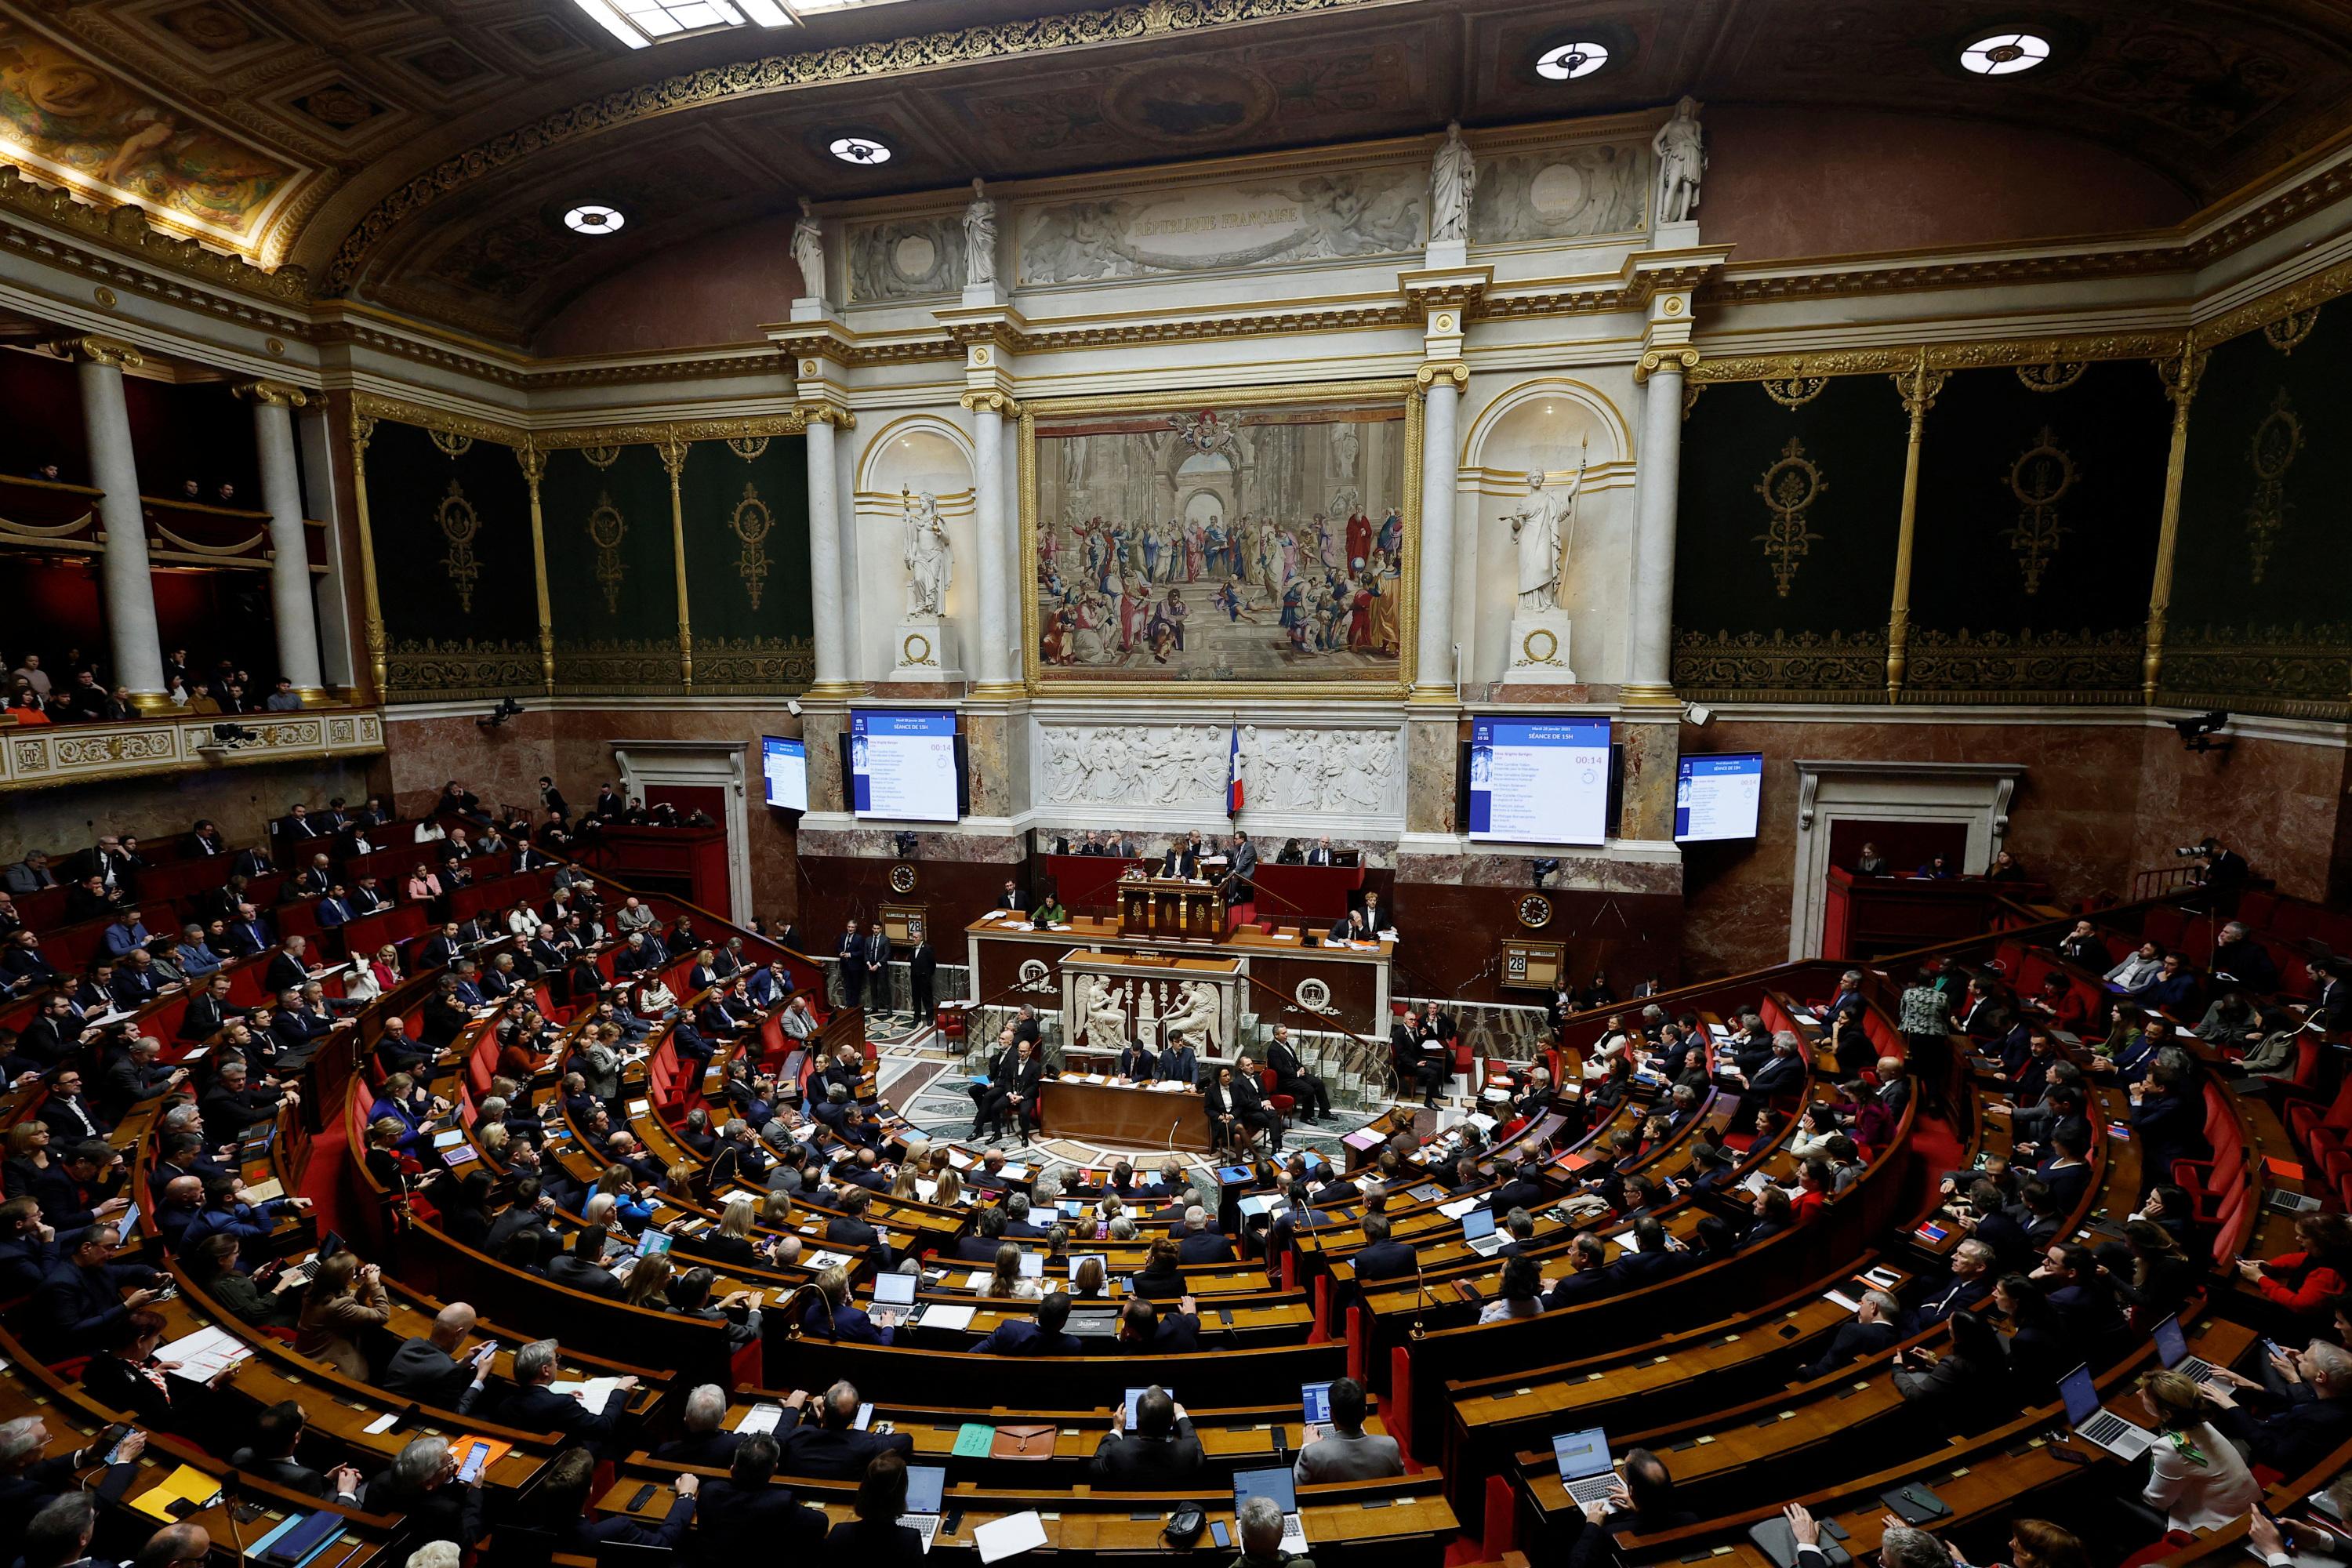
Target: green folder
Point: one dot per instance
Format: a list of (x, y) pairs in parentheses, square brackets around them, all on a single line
[(974, 1440)]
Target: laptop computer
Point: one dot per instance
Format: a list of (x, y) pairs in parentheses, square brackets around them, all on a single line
[(893, 1288), (1033, 1266), (1315, 1403), (306, 1272), (2100, 1429), (2172, 1349), (653, 1244), (925, 1485), (1584, 1466), (1478, 1233), (1275, 1485), (1092, 1323)]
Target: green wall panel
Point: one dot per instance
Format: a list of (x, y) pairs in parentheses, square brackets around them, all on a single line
[(612, 576), (454, 578), (746, 568)]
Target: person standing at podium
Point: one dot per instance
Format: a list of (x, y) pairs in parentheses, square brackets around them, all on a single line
[(1013, 898), (1241, 865), (1321, 854), (1182, 861)]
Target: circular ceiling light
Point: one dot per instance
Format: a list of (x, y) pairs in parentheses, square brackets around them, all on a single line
[(1566, 62), (2005, 54), (592, 218), (860, 149)]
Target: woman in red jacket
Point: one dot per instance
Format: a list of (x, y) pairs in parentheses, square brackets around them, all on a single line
[(2313, 1281)]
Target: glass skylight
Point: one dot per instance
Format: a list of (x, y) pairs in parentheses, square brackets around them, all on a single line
[(2005, 54), (1566, 62), (638, 23)]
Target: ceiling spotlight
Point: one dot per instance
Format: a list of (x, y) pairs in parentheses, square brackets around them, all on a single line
[(2005, 54), (593, 219), (860, 149), (1566, 62)]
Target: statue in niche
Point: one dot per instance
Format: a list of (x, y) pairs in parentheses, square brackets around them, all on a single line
[(1453, 179), (1191, 1019), (808, 253), (1681, 148), (1105, 1014), (930, 563), (1539, 529), (980, 239)]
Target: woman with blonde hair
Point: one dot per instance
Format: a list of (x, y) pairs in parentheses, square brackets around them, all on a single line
[(902, 1185), (1007, 1280), (2194, 1475), (648, 1277), (775, 1209), (949, 1187), (344, 1300)]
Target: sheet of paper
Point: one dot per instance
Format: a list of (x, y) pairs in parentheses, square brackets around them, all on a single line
[(262, 1192), (762, 1417), (593, 1394), (382, 1424), (1009, 1536), (939, 1315), (1840, 1298), (1458, 1208)]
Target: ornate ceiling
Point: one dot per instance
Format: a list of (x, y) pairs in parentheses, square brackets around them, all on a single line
[(419, 154)]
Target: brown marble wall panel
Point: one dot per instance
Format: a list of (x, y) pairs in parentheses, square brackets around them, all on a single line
[(1651, 753), (1450, 937), (2279, 805), (242, 800), (502, 766), (1429, 775), (989, 739), (1354, 987), (834, 886)]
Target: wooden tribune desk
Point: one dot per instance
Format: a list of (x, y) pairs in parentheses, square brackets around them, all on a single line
[(1167, 909), (1125, 1113)]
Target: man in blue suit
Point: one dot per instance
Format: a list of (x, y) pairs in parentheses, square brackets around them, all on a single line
[(824, 1445), (1044, 1337), (535, 1407)]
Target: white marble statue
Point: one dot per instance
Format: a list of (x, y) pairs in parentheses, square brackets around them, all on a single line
[(1681, 148), (1453, 178), (808, 253), (1105, 1010), (1191, 1018), (931, 562), (980, 239), (1345, 445), (1539, 528)]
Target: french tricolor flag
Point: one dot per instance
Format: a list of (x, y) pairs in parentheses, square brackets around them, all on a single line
[(1233, 770)]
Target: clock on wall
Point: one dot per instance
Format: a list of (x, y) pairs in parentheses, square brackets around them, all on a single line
[(1535, 911), (902, 879)]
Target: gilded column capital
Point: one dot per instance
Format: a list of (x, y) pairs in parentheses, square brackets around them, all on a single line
[(673, 448), (98, 350), (1684, 360), (994, 402), (276, 393), (1454, 371), (1919, 386), (2181, 374), (533, 459), (824, 412)]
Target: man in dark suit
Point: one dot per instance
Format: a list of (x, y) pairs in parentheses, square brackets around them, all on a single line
[(745, 1516), (821, 1444), (296, 825), (1321, 854), (1143, 1330), (1525, 1190), (1353, 927), (583, 1267), (81, 1302), (425, 1367), (1589, 1275), (922, 969), (1969, 1282), (874, 958), (1381, 1258), (851, 950), (703, 1438), (277, 1431), (206, 840), (1199, 1244), (535, 1407), (1291, 1077), (1013, 896), (850, 1227), (1249, 1104), (1876, 1326), (1042, 1338), (1161, 1452)]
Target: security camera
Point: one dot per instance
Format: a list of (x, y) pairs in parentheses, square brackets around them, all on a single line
[(1544, 870), (2196, 851), (1697, 713), (2195, 734), (907, 843), (792, 706), (507, 708)]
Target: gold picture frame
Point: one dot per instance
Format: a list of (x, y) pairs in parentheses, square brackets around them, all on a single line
[(1403, 391)]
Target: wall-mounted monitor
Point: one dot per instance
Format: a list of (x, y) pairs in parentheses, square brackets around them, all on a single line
[(1540, 781), (903, 765), (1717, 796), (783, 766)]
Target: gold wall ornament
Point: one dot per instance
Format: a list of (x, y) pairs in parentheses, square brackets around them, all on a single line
[(606, 529), (459, 524), (2040, 478), (2052, 375), (2286, 333), (601, 457), (1780, 666), (363, 429), (752, 519), (1454, 371), (1684, 360), (748, 447), (2277, 442), (2084, 668), (98, 350), (1790, 487), (452, 444), (1791, 391), (1918, 388), (1691, 389), (276, 393)]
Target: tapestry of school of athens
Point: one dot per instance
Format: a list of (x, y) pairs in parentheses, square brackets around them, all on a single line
[(1221, 544)]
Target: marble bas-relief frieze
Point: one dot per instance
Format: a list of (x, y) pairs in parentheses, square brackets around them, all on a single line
[(1210, 228), (1566, 192), (1351, 773), (905, 259)]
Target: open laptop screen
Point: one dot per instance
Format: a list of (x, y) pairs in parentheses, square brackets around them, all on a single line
[(894, 1289), (2081, 1394), (2172, 1344), (1477, 1225), (1581, 1454), (1273, 1484), (924, 1483), (1315, 1398)]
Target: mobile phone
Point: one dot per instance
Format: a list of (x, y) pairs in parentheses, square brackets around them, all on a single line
[(645, 1494), (114, 1436), (1225, 1316), (476, 1455), (951, 1523)]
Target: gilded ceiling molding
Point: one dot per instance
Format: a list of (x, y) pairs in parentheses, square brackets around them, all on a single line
[(672, 433), (891, 60), (126, 227), (369, 406), (1945, 357), (2297, 299)]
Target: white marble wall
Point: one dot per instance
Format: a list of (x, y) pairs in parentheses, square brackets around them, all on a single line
[(1150, 770)]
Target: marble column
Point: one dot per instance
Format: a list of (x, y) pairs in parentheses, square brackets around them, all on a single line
[(1024, 580), (1650, 676), (290, 604), (828, 611), (129, 585), (994, 580), (316, 431), (1434, 657)]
